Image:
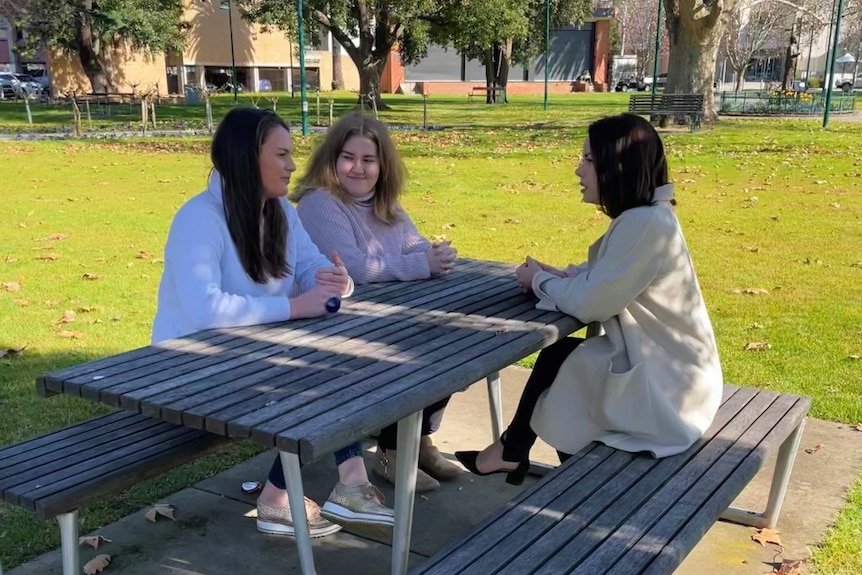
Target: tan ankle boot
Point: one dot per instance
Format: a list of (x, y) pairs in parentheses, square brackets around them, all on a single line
[(384, 466), (434, 464)]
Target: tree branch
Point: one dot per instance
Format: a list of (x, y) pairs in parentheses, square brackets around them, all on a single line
[(340, 35)]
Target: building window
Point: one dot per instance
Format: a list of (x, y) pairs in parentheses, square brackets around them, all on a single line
[(272, 80)]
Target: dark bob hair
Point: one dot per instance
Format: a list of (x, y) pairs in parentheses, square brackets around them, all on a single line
[(235, 154), (629, 159)]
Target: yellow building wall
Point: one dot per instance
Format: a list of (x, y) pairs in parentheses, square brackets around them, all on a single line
[(132, 71), (208, 44)]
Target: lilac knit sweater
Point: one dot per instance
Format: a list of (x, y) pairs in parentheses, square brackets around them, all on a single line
[(371, 250)]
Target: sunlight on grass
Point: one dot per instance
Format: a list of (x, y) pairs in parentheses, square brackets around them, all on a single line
[(773, 205)]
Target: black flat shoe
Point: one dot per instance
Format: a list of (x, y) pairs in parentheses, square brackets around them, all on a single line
[(513, 476)]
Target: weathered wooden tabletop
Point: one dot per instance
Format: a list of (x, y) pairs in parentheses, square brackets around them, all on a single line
[(310, 387)]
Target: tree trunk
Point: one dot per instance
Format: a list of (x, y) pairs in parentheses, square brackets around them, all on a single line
[(369, 80), (90, 52), (497, 61), (694, 34), (337, 70), (740, 78)]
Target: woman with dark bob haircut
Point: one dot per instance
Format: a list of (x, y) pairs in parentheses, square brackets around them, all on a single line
[(237, 255), (651, 381)]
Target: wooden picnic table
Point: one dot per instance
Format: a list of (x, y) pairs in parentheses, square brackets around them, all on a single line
[(313, 386)]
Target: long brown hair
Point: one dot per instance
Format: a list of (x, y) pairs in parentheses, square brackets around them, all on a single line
[(235, 154), (321, 174)]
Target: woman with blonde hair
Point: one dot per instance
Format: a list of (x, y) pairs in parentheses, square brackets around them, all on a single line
[(348, 200)]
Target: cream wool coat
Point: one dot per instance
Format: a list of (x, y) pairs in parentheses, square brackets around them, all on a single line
[(652, 381)]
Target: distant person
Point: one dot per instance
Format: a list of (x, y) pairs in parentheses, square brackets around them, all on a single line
[(237, 255), (348, 201), (652, 381)]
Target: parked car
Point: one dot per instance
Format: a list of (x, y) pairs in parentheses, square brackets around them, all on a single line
[(847, 83), (662, 80), (27, 85), (631, 83), (41, 76), (9, 85)]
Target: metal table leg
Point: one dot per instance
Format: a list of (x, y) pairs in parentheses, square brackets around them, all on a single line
[(69, 542), (495, 403), (296, 498), (405, 489)]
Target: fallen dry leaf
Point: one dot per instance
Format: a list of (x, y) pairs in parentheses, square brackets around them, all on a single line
[(142, 255), (11, 286), (790, 567), (68, 316), (163, 509), (57, 237), (814, 449), (49, 257), (51, 303), (858, 427), (10, 260), (88, 308), (97, 564), (90, 277), (835, 205), (757, 346), (445, 227), (764, 536), (71, 334), (22, 302), (751, 291), (93, 541), (12, 352), (853, 357), (158, 261)]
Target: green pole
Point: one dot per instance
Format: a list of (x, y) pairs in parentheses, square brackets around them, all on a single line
[(657, 47), (226, 5), (547, 45), (828, 47), (232, 56), (832, 58), (303, 94)]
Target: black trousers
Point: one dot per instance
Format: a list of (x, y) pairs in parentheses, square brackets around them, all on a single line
[(520, 437), (432, 416)]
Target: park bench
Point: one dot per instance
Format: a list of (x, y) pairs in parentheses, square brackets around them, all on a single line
[(688, 105), (55, 474), (607, 511), (496, 92)]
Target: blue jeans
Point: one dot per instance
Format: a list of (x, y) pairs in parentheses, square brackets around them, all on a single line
[(276, 472)]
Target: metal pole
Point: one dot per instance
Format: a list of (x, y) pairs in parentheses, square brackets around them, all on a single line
[(302, 88), (657, 47), (834, 51), (547, 45), (827, 64), (232, 56), (808, 63)]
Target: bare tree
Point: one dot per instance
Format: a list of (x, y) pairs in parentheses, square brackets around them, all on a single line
[(636, 20), (747, 29)]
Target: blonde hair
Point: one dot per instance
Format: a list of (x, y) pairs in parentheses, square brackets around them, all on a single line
[(321, 174)]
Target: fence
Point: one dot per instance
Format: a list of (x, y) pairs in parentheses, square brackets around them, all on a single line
[(782, 103)]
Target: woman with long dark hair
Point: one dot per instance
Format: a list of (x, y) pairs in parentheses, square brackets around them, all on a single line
[(237, 255), (652, 380)]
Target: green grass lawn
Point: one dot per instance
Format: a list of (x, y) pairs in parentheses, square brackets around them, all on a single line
[(773, 205)]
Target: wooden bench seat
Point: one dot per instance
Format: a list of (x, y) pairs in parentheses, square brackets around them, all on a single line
[(497, 93), (53, 475), (610, 512), (689, 105)]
